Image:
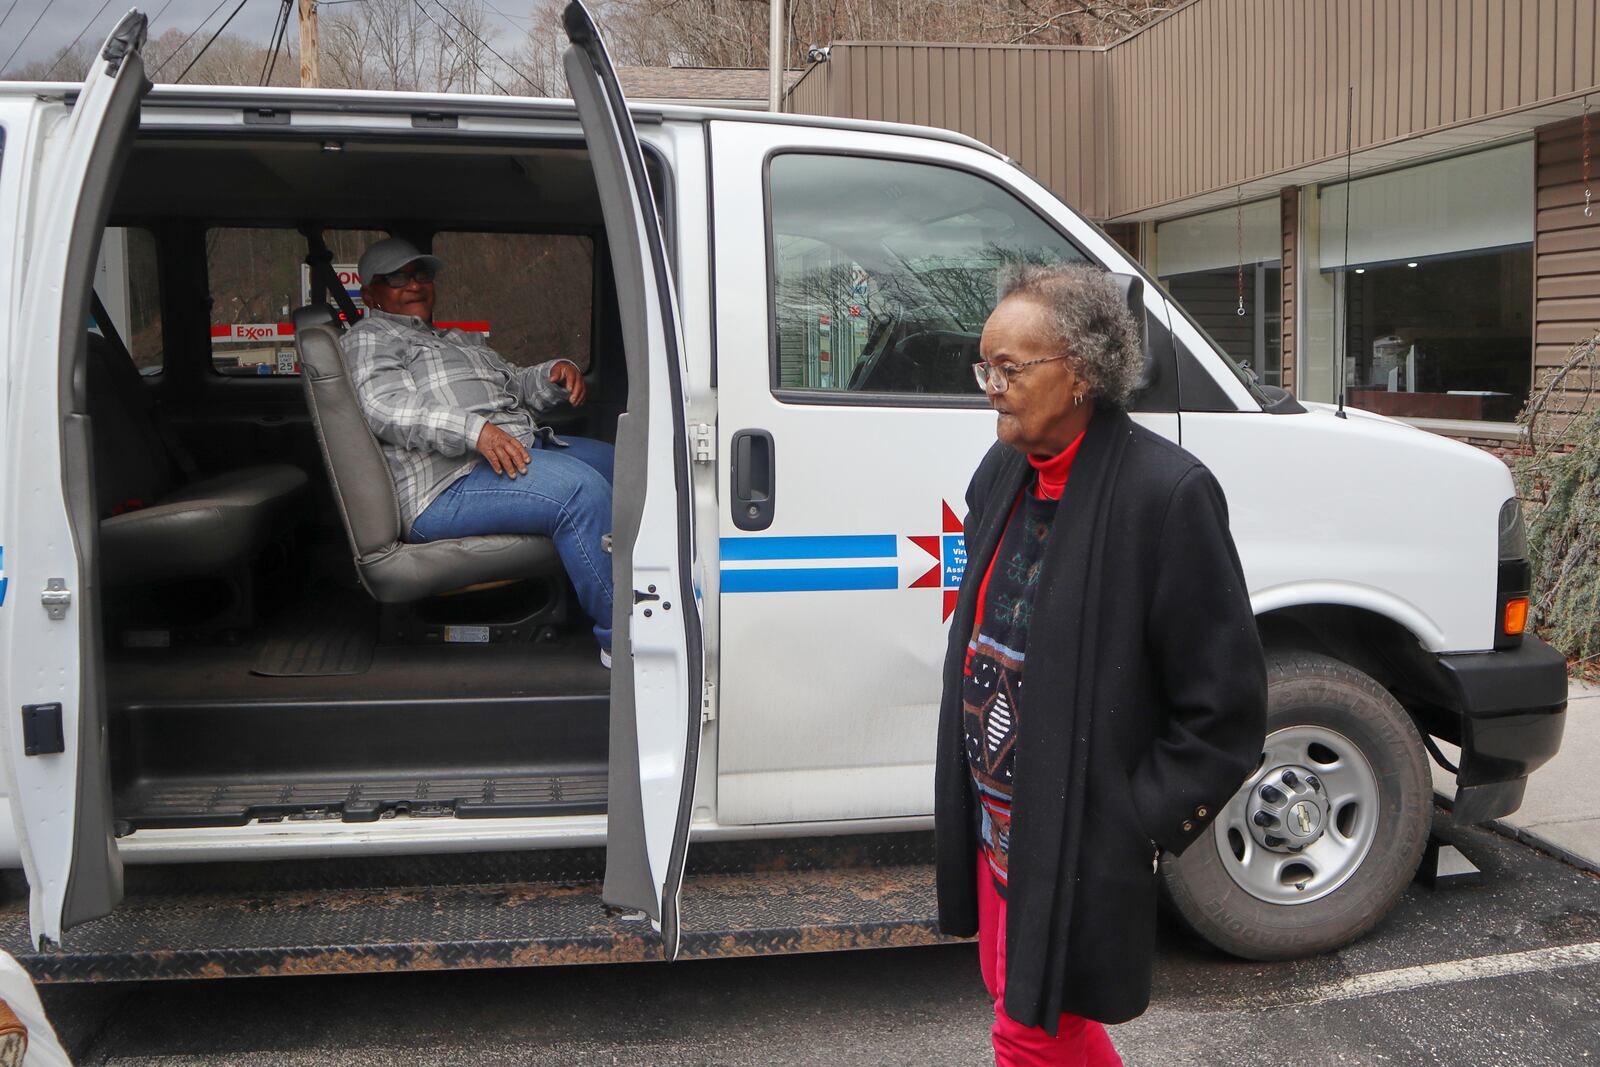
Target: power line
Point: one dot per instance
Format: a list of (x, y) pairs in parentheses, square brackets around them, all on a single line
[(74, 42), (485, 44), (157, 16), (211, 41), (9, 10), (509, 18), (47, 6), (462, 52), (280, 28), (184, 43)]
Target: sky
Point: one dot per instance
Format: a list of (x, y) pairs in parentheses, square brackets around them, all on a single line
[(60, 20)]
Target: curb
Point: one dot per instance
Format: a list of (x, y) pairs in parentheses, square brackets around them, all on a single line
[(1532, 839)]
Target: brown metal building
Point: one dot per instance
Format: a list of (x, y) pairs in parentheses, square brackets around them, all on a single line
[(1213, 142)]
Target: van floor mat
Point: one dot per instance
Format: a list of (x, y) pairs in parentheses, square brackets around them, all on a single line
[(337, 637), (212, 934), (172, 803)]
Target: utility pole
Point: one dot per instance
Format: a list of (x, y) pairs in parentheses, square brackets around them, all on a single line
[(774, 57), (310, 57)]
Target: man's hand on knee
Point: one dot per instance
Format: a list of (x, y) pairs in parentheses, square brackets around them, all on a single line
[(505, 453)]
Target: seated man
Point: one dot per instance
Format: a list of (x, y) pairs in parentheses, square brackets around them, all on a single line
[(434, 397)]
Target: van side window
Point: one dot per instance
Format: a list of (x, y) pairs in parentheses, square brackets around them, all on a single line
[(129, 285), (532, 293), (257, 276), (883, 271)]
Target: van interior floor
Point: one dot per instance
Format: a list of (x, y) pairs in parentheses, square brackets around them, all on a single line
[(200, 738)]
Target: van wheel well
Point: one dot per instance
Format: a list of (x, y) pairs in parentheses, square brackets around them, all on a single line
[(1375, 645)]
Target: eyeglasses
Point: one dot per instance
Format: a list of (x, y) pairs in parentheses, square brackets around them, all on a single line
[(400, 279), (998, 378)]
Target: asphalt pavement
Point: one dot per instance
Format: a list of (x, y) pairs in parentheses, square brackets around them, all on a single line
[(1505, 971), (1502, 971)]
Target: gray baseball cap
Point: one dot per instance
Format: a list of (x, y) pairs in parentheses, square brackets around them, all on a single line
[(392, 253)]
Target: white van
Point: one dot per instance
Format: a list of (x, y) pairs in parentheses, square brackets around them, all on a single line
[(312, 747)]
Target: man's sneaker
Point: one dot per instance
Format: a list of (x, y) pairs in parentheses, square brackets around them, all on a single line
[(605, 658)]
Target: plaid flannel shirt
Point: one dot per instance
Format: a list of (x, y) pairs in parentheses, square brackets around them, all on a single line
[(426, 394)]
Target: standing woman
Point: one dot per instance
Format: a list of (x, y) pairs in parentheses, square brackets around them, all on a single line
[(1104, 690)]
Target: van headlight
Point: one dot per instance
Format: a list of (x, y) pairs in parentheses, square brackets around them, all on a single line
[(1514, 578), (1513, 534)]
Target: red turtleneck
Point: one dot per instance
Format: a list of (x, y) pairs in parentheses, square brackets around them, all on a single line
[(1053, 471)]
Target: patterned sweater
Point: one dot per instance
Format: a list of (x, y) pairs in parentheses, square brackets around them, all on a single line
[(992, 692)]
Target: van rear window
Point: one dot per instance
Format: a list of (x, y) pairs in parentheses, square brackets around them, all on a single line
[(257, 277), (128, 282), (532, 293)]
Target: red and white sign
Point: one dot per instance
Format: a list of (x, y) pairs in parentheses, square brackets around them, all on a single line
[(270, 332), (257, 332)]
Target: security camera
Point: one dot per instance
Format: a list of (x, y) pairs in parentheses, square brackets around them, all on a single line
[(817, 55)]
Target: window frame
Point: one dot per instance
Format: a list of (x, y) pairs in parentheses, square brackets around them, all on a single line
[(846, 398)]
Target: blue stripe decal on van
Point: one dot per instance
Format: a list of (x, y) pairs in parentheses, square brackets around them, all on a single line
[(809, 579), (855, 546)]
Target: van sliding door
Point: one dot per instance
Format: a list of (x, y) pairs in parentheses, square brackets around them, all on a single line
[(55, 731), (655, 684)]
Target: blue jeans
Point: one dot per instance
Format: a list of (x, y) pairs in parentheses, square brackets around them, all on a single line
[(565, 496)]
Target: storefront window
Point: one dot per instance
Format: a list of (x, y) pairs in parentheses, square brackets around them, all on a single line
[(1431, 289), (1221, 262)]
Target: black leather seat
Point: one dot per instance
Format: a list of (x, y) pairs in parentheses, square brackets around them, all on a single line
[(159, 520), (393, 571)]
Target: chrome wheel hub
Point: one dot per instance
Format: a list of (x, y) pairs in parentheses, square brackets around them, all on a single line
[(1304, 822), (1288, 809)]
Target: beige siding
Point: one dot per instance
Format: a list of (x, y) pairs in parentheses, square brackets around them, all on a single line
[(1566, 260), (1223, 91), (1037, 105), (811, 94), (1271, 90)]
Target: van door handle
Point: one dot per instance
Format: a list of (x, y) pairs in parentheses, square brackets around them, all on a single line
[(754, 479)]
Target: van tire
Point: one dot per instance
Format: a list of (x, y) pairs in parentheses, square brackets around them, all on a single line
[(1238, 894)]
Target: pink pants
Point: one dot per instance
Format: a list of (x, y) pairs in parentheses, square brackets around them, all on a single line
[(1079, 1042)]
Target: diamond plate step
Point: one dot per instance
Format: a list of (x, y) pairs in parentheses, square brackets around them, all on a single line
[(763, 900)]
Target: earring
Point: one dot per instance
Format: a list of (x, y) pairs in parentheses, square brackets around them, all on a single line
[(1077, 399)]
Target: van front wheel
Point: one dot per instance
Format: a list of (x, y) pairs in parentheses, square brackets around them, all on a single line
[(1322, 839)]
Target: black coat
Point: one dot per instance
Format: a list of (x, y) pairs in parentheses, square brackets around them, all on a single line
[(1143, 712)]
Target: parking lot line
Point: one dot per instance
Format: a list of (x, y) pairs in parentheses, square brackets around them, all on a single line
[(1402, 979)]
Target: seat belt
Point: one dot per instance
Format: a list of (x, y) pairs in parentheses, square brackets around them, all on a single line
[(136, 389), (324, 279)]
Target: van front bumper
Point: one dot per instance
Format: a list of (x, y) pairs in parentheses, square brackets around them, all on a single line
[(1511, 706)]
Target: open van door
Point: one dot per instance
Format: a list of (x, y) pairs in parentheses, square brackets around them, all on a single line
[(55, 727), (655, 685)]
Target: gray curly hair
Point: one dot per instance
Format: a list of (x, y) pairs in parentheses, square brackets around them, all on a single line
[(1090, 319)]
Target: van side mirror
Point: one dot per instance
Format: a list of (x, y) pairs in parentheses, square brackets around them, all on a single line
[(1157, 384)]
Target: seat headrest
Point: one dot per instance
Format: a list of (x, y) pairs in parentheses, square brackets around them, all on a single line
[(314, 315)]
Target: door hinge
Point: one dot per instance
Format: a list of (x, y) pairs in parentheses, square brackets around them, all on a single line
[(56, 598), (705, 443), (708, 702)]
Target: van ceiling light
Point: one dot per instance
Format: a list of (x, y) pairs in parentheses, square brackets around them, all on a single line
[(1361, 270), (1413, 264), (333, 146)]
